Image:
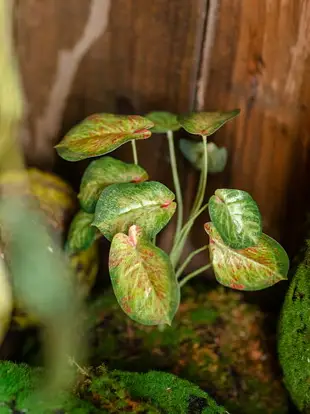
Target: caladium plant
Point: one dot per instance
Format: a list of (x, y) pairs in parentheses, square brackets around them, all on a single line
[(119, 202)]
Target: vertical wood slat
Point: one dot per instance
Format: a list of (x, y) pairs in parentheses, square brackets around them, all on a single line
[(260, 62), (145, 58), (148, 55)]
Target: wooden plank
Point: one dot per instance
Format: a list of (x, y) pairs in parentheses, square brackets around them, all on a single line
[(78, 58), (260, 62)]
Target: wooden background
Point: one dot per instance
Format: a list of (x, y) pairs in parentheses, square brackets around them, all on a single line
[(79, 57)]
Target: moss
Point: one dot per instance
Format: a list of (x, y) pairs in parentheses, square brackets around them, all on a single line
[(294, 336), (17, 386), (103, 392), (216, 341), (169, 393)]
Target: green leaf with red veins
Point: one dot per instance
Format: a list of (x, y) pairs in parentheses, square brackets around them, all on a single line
[(100, 134), (81, 233), (254, 268), (163, 121), (143, 279), (149, 205), (236, 217), (103, 172), (206, 123)]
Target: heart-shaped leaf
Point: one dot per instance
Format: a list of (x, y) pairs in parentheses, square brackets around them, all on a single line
[(104, 172), (254, 268), (163, 121), (81, 234), (206, 123), (149, 205), (236, 217), (194, 153), (143, 279), (102, 133)]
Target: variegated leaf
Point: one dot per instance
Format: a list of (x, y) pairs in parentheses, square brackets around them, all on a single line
[(100, 134), (163, 121), (81, 234), (143, 279), (236, 217), (194, 153), (206, 123), (254, 268), (149, 205), (104, 172)]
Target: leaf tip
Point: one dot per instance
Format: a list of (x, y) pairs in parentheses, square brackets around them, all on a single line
[(207, 227)]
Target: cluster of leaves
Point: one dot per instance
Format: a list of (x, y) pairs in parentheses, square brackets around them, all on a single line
[(118, 202)]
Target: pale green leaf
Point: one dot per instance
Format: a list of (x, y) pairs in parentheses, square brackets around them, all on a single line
[(103, 172), (254, 268), (163, 121), (143, 279), (81, 234), (194, 153), (236, 217), (100, 134), (206, 123), (149, 205)]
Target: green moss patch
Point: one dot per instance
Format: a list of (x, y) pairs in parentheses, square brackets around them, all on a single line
[(294, 336)]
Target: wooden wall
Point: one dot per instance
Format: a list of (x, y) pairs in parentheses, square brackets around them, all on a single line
[(79, 57)]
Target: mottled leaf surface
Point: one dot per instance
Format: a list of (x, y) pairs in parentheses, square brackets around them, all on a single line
[(100, 134), (254, 268), (143, 279), (103, 172), (236, 217), (81, 234), (193, 151), (149, 205), (206, 123), (163, 121)]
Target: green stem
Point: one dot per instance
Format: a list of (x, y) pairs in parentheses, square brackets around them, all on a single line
[(194, 207), (175, 253), (179, 245), (134, 151), (204, 174), (176, 183), (189, 258), (202, 180), (193, 274)]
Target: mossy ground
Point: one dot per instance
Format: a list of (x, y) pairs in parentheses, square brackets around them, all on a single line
[(216, 341), (103, 392), (294, 336)]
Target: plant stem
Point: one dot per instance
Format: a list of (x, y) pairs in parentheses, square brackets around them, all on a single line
[(189, 258), (175, 252), (204, 174), (195, 273), (179, 245), (134, 151), (176, 183)]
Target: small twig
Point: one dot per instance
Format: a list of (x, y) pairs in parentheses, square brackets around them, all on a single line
[(195, 273), (189, 258)]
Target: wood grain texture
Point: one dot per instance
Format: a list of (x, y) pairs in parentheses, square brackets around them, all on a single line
[(124, 56), (260, 62), (141, 55)]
